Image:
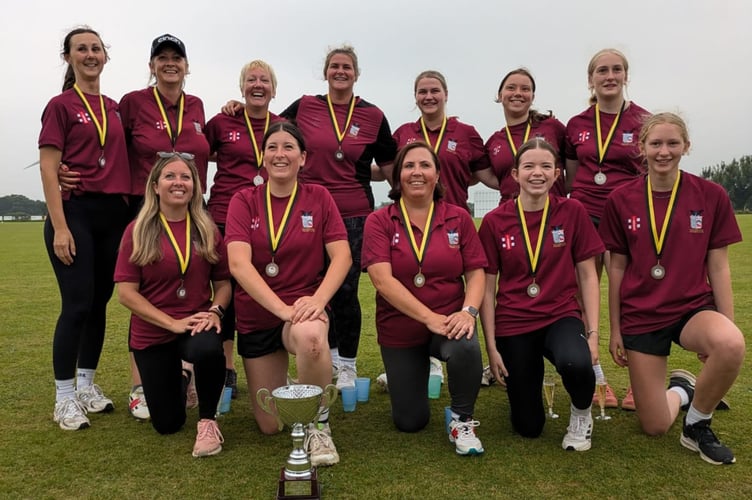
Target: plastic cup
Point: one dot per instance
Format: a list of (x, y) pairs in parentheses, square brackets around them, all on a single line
[(349, 398), (434, 386), (224, 402), (363, 387)]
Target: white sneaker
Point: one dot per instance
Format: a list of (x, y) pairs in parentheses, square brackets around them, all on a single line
[(93, 399), (346, 377), (436, 368), (319, 445), (71, 415), (462, 434), (487, 378), (578, 433), (137, 404), (382, 382)]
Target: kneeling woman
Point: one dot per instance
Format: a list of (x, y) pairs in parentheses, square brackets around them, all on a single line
[(417, 252), (172, 274), (279, 236), (539, 246)]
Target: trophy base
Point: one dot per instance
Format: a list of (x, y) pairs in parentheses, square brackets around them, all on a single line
[(298, 489)]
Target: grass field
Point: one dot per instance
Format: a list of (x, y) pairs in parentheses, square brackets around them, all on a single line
[(119, 457)]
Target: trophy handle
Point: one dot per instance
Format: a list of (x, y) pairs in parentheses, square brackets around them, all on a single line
[(264, 399), (328, 397)]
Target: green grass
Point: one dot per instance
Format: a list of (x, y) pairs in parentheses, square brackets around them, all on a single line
[(119, 457)]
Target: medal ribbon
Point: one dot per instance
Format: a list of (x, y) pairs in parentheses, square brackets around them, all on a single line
[(181, 108), (275, 237), (183, 260), (101, 127), (259, 153), (603, 147), (417, 251), (511, 141), (441, 134), (340, 134), (533, 258), (659, 240)]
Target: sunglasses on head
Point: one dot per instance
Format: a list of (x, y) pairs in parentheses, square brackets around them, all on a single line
[(171, 154)]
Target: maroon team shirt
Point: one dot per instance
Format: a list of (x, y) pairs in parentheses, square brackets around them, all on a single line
[(702, 220), (502, 155), (453, 250), (570, 238), (622, 163), (236, 159), (367, 139), (313, 222), (67, 126), (461, 153), (158, 283), (146, 133)]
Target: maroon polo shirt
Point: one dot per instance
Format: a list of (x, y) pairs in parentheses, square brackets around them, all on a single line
[(452, 250), (570, 238), (702, 220)]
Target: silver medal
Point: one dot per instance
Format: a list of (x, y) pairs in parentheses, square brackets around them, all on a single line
[(272, 269), (600, 178), (181, 293), (419, 280), (258, 180), (533, 290), (102, 162), (658, 272), (339, 155)]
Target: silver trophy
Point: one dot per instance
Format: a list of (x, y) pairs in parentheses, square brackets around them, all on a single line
[(297, 406)]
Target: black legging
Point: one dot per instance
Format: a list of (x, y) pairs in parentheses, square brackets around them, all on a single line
[(96, 222), (164, 384), (564, 345), (344, 333), (407, 371)]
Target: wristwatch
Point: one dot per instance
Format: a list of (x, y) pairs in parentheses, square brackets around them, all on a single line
[(218, 310), (471, 311)]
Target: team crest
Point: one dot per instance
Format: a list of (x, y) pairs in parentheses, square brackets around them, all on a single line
[(695, 221), (454, 238), (557, 233), (255, 222), (627, 138), (197, 127), (410, 140), (507, 241), (496, 150), (354, 129), (583, 136), (395, 239), (161, 125), (451, 145), (306, 219), (233, 136), (633, 223), (83, 117)]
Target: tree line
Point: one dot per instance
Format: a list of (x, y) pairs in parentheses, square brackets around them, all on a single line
[(20, 206), (736, 179)]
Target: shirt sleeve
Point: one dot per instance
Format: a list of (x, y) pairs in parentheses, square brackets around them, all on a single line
[(377, 238), (610, 229), (473, 254), (487, 239), (479, 159), (125, 270)]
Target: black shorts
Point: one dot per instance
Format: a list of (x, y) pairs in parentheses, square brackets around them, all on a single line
[(261, 342), (659, 342)]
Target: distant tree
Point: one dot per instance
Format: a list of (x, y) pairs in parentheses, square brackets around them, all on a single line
[(16, 204), (736, 178)]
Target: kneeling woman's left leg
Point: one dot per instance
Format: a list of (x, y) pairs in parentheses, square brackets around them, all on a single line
[(464, 369), (566, 347), (205, 351)]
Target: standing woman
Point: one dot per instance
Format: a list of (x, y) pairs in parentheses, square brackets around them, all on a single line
[(161, 117), (280, 236), (236, 142), (540, 247), (345, 135), (669, 281), (421, 253), (81, 128), (516, 94), (172, 274), (603, 154), (458, 145)]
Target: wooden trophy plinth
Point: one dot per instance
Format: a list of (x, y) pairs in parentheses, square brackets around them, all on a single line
[(298, 489)]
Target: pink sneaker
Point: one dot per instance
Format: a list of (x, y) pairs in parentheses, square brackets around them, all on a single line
[(208, 439), (628, 402), (611, 401)]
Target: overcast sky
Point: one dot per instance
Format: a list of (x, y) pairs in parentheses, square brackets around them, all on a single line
[(690, 56)]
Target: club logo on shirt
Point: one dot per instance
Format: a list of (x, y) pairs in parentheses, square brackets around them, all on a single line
[(395, 239), (454, 238), (354, 129), (197, 127), (496, 150), (583, 136), (161, 125), (557, 233), (695, 221), (634, 223), (83, 117), (507, 241), (627, 138), (306, 219), (452, 145), (255, 222), (411, 140), (233, 136)]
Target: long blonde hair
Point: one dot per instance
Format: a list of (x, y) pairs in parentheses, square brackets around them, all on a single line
[(148, 227)]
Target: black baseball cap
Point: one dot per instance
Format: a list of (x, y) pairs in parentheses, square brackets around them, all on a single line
[(167, 39)]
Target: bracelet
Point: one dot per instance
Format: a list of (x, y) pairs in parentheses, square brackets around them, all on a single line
[(590, 332), (218, 310)]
